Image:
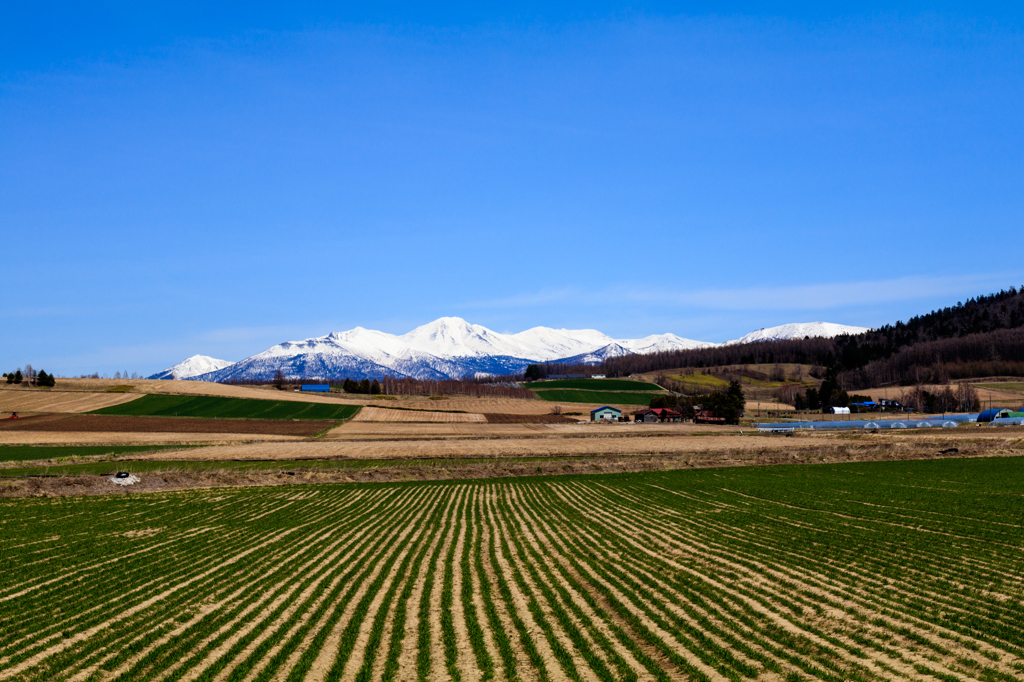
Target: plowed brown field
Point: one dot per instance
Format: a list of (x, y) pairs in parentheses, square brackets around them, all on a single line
[(530, 419), (414, 431), (381, 414), (93, 423), (545, 444), (8, 437)]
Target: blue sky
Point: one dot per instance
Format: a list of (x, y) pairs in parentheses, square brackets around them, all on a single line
[(190, 180)]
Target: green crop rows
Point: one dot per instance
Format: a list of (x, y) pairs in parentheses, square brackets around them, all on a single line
[(211, 407), (878, 571), (596, 385), (600, 397)]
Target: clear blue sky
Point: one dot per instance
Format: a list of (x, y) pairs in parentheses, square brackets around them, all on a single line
[(186, 180)]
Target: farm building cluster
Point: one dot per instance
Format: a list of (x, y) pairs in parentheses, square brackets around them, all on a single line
[(646, 415)]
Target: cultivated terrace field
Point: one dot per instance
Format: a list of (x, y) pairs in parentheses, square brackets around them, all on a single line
[(868, 571), (215, 407), (596, 391)]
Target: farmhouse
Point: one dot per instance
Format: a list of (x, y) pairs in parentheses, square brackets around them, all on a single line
[(658, 414), (605, 413)]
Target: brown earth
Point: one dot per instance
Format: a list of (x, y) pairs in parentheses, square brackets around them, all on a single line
[(92, 423), (556, 440), (354, 431), (382, 414), (532, 418), (119, 438)]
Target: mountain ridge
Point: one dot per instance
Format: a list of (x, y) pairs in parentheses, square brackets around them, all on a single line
[(451, 347)]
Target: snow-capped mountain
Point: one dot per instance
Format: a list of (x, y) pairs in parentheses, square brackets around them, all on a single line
[(192, 367), (445, 348), (799, 330), (450, 347), (657, 343)]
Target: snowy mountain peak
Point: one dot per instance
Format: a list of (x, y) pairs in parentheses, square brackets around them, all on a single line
[(449, 337), (450, 347), (192, 367), (799, 330), (659, 343)]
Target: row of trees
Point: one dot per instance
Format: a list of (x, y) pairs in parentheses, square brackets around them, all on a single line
[(365, 386), (31, 377), (482, 387)]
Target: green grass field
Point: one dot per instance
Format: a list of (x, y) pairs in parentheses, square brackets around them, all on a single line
[(1015, 386), (606, 397), (702, 380), (870, 572), (595, 385), (210, 407), (23, 453)]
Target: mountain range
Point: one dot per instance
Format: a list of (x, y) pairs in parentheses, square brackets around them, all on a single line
[(450, 347)]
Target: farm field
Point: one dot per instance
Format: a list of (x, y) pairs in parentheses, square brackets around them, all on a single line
[(22, 453), (214, 407), (594, 397), (383, 414), (1004, 387), (868, 571), (180, 387), (119, 438), (596, 385), (100, 423), (31, 400)]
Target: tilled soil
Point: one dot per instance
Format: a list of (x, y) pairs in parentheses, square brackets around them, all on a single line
[(91, 423), (496, 418)]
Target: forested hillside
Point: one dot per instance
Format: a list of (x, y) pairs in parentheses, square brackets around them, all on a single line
[(983, 336)]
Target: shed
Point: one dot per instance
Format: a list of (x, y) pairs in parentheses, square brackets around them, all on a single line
[(658, 414), (605, 413), (316, 388)]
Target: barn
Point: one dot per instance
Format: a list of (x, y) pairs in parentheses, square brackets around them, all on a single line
[(605, 413)]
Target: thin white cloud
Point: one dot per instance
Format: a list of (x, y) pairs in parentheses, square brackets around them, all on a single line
[(817, 296)]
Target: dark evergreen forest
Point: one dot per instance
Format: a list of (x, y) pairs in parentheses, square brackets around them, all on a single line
[(983, 336)]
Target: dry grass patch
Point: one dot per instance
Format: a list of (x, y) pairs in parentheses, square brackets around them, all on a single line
[(35, 400)]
